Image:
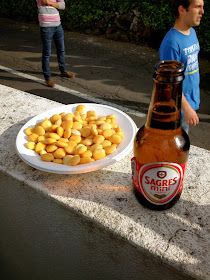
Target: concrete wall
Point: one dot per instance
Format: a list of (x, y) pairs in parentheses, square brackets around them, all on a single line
[(42, 239)]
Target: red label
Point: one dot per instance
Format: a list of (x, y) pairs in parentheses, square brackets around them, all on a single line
[(158, 182)]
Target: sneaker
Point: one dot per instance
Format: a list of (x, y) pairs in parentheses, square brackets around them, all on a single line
[(50, 83), (67, 75)]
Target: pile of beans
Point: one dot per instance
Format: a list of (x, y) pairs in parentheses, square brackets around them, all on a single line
[(74, 138)]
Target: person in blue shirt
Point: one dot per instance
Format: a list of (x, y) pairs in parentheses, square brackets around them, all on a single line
[(181, 44)]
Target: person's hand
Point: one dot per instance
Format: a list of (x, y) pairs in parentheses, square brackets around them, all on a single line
[(45, 2), (49, 3), (191, 116)]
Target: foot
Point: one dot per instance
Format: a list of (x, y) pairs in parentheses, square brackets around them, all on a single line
[(50, 83), (67, 75)]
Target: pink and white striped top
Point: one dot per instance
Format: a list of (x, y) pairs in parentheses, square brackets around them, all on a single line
[(48, 15)]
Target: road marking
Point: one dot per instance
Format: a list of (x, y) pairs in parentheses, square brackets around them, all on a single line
[(75, 93)]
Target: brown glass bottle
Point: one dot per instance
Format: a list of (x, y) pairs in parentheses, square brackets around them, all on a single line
[(161, 146)]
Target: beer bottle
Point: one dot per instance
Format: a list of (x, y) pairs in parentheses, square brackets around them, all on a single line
[(161, 146)]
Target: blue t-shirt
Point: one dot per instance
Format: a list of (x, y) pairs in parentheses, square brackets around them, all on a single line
[(184, 48)]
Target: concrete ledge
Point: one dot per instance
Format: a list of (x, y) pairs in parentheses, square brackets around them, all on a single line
[(176, 239)]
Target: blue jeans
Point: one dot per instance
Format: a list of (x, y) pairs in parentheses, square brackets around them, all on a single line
[(47, 35), (184, 124)]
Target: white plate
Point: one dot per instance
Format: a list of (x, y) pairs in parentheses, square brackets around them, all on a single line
[(123, 121)]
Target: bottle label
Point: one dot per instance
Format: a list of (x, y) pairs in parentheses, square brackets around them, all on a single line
[(158, 182)]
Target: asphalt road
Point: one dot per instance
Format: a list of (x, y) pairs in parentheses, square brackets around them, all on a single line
[(107, 72)]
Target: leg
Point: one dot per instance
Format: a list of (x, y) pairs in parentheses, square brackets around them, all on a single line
[(46, 36), (60, 48)]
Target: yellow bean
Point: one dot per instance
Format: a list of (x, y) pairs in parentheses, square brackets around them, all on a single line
[(64, 140), (106, 143), (54, 127), (87, 142), (120, 133), (99, 154), (42, 152), (46, 124), (55, 117), (83, 117), (105, 126), (98, 139), (76, 138), (66, 159), (61, 144), (85, 131), (67, 124), (49, 141), (101, 119), (33, 137), (118, 129), (99, 122), (113, 131), (88, 153), (39, 130), (96, 147), (84, 160), (60, 131), (51, 148), (41, 138), (63, 114), (91, 119), (29, 131), (30, 145), (69, 149), (94, 130), (110, 149), (80, 108), (75, 132), (39, 147), (115, 139), (80, 150), (79, 145), (59, 153), (91, 136), (58, 122), (47, 157), (74, 160), (113, 124), (77, 125), (53, 135), (38, 124), (69, 117), (76, 113), (58, 160), (91, 113), (107, 133), (72, 143), (78, 119)]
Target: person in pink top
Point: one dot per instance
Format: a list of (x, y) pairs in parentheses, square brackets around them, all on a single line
[(51, 29)]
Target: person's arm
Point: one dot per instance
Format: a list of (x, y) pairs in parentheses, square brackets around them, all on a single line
[(190, 115), (49, 3)]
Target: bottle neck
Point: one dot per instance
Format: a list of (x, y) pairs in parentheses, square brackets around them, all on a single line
[(165, 107)]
